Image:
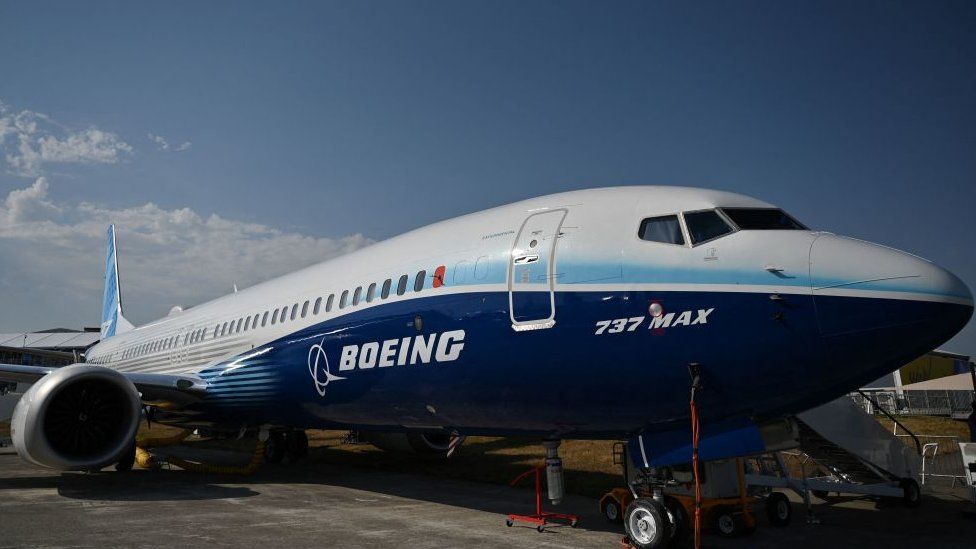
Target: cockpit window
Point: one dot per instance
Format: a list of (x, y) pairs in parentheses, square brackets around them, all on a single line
[(762, 219), (706, 225), (665, 229)]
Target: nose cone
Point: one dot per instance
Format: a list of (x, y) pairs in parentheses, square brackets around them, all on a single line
[(880, 306), (853, 267)]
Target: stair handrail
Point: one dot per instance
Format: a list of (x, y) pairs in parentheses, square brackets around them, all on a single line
[(918, 443)]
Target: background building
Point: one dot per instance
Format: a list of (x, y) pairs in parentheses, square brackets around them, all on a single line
[(54, 347)]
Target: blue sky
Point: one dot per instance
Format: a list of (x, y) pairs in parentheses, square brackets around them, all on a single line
[(328, 125)]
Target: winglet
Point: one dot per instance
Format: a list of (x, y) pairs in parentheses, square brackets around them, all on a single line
[(112, 320)]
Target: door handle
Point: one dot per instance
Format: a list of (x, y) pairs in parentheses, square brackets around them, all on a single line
[(526, 259)]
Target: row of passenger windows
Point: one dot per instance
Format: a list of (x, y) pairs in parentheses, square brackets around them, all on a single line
[(708, 225), (346, 299), (290, 312), (164, 344)]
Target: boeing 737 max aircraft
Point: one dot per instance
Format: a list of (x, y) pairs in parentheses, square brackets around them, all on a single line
[(573, 315)]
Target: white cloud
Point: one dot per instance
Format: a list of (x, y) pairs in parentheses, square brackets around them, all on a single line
[(166, 257), (30, 139), (159, 141), (163, 145)]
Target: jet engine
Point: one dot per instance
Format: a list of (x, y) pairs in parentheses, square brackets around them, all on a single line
[(79, 417), (417, 443)]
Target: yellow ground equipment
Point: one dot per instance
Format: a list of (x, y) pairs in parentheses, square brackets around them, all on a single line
[(146, 459), (728, 509)]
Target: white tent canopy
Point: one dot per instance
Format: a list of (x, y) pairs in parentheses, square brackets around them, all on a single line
[(958, 382)]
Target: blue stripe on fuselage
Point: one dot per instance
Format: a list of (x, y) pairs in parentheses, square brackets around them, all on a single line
[(759, 357)]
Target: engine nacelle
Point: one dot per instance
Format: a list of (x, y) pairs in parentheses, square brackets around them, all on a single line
[(79, 417), (418, 443)]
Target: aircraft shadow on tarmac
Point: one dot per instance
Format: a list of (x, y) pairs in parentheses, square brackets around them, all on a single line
[(850, 519), (134, 486)]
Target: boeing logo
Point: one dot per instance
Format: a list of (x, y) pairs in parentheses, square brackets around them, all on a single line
[(318, 367), (444, 347)]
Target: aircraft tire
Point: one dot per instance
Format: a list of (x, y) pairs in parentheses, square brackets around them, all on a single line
[(296, 445), (681, 523), (274, 448), (646, 524)]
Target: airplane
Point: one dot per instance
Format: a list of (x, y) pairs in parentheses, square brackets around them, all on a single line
[(569, 316)]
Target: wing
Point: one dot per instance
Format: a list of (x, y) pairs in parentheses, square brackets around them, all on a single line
[(166, 390)]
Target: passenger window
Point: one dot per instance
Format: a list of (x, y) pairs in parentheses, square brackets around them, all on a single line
[(666, 229), (317, 307), (370, 292), (328, 303), (294, 311), (247, 323), (357, 295), (343, 299), (304, 309), (706, 225), (418, 283), (274, 317), (284, 314), (385, 292), (264, 319), (402, 285)]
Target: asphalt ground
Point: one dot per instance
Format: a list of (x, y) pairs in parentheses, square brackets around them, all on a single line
[(339, 505)]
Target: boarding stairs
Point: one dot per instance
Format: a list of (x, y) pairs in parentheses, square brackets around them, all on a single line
[(835, 460), (858, 454), (851, 453)]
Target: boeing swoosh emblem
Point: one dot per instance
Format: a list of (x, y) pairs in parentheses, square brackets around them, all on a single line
[(318, 367)]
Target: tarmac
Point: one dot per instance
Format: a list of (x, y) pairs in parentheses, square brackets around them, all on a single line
[(328, 505)]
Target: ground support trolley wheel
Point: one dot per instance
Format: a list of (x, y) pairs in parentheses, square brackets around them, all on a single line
[(779, 510), (611, 511), (731, 524)]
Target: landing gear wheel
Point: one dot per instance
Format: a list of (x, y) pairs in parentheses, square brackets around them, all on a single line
[(509, 522), (573, 523), (128, 459), (296, 445), (646, 524), (681, 529), (912, 496), (728, 524), (611, 511), (778, 509), (541, 528), (274, 448)]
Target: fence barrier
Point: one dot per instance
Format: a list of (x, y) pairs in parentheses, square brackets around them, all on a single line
[(954, 404)]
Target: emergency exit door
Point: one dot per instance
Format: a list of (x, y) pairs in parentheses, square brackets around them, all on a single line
[(531, 281)]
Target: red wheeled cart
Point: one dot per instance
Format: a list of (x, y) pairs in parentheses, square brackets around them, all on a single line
[(540, 518)]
